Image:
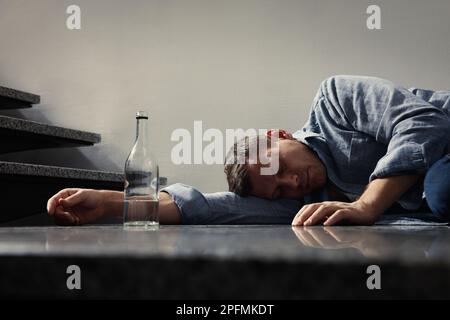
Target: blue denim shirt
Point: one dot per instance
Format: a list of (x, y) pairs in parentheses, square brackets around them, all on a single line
[(363, 128)]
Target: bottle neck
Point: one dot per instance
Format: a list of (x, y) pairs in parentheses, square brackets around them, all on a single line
[(141, 130)]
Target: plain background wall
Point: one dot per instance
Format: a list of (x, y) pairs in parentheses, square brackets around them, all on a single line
[(229, 63)]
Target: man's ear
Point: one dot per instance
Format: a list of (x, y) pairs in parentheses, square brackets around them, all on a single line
[(281, 133)]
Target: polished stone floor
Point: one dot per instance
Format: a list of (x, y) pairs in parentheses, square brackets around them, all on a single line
[(203, 254), (402, 244)]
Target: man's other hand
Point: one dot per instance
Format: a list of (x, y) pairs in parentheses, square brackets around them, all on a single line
[(331, 213)]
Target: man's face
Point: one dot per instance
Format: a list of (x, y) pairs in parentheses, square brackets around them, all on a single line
[(300, 172)]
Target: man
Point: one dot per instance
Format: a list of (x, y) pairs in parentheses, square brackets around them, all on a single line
[(365, 150)]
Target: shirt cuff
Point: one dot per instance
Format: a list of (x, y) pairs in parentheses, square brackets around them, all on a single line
[(191, 202)]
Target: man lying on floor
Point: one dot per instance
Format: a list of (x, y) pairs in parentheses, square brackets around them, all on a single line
[(369, 147)]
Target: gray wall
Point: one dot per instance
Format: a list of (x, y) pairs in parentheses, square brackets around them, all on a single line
[(230, 63)]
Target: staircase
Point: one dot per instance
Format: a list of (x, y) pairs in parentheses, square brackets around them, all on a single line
[(25, 188)]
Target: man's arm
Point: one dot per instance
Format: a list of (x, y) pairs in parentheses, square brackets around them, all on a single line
[(379, 195), (169, 212), (82, 206)]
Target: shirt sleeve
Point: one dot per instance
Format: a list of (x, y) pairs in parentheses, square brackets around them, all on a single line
[(229, 208), (415, 132)]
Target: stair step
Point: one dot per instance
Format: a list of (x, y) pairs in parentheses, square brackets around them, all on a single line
[(36, 170), (12, 99), (19, 135), (25, 188)]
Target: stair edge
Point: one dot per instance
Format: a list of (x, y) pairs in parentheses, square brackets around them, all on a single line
[(19, 95)]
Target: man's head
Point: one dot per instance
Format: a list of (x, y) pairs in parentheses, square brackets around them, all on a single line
[(300, 171)]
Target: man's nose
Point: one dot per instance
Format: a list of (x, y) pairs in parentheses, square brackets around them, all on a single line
[(290, 180)]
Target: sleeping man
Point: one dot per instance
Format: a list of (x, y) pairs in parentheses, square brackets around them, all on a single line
[(369, 147)]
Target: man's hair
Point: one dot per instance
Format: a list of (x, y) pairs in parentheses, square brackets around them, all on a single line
[(237, 160)]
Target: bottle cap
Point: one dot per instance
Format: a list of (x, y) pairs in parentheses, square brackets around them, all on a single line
[(141, 115)]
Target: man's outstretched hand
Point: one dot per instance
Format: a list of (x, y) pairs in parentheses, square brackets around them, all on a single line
[(331, 213), (76, 206)]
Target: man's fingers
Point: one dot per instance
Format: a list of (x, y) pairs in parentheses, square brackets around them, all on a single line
[(337, 217), (297, 218), (319, 215), (73, 199), (304, 214), (53, 202)]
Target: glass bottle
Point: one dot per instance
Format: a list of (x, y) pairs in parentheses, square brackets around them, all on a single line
[(141, 181)]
